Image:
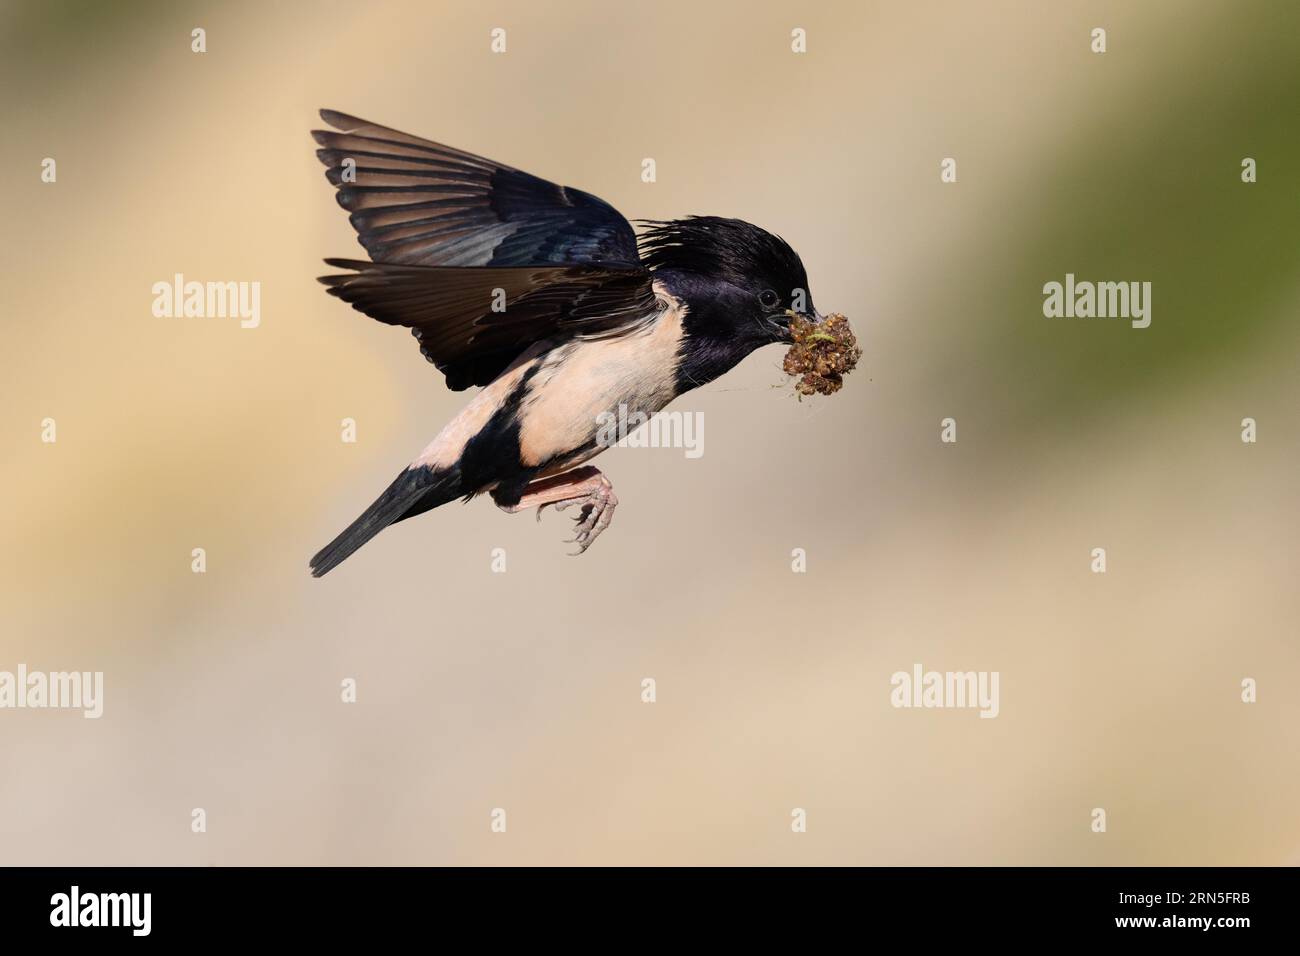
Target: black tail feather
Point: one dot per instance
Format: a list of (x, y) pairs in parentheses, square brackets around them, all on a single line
[(414, 491)]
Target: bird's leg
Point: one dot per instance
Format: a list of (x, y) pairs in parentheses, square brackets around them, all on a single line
[(584, 486)]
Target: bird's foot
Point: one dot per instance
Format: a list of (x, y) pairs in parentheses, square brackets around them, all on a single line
[(585, 487), (596, 513)]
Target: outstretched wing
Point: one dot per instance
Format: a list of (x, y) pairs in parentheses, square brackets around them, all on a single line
[(479, 260), (472, 322), (416, 202)]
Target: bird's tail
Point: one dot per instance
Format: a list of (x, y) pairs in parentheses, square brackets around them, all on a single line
[(413, 492)]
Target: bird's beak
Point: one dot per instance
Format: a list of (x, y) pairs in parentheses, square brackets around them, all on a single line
[(781, 325)]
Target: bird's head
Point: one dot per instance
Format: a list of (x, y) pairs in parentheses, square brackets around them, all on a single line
[(739, 282)]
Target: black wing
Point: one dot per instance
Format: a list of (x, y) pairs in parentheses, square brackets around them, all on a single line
[(454, 237), (473, 322), (420, 203)]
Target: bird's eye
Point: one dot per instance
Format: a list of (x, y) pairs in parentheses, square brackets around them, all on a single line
[(768, 299)]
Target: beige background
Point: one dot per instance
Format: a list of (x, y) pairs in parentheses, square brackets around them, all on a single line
[(481, 690)]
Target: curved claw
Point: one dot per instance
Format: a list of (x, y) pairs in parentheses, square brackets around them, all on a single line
[(595, 518), (585, 487)]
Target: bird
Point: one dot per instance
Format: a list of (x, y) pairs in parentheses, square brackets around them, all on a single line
[(547, 300)]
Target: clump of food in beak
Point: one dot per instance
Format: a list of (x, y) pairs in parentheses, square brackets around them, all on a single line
[(822, 353)]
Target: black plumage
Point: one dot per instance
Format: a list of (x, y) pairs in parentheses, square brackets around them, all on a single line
[(421, 203), (542, 295)]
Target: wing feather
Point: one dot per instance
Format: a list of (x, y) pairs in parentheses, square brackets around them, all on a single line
[(417, 202), (452, 311), (446, 229)]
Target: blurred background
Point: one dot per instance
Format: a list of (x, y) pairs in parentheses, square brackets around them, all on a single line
[(521, 690)]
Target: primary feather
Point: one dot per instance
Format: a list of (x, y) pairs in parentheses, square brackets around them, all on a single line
[(478, 259), (415, 201)]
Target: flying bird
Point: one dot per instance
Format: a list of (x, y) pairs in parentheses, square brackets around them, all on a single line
[(544, 297)]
